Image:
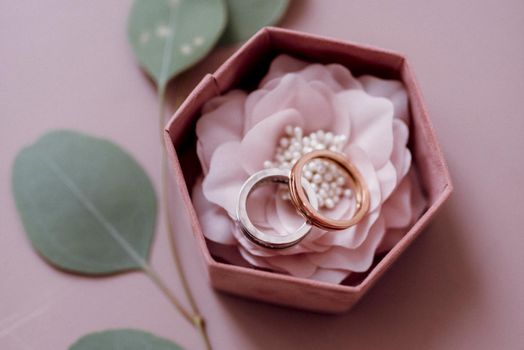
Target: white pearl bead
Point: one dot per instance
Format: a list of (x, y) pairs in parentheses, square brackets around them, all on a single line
[(329, 203), (298, 132), (317, 178), (308, 174), (348, 193), (328, 137)]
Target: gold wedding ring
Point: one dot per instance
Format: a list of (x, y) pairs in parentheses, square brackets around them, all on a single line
[(357, 184)]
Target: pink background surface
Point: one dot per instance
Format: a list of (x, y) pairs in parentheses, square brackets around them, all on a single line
[(460, 286)]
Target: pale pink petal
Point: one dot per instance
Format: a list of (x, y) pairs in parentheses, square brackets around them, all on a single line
[(352, 237), (281, 65), (363, 163), (260, 142), (400, 156), (214, 221), (336, 76), (387, 177), (393, 90), (273, 218), (330, 275), (251, 247), (254, 260), (356, 260), (397, 210), (343, 77), (312, 105), (297, 265), (371, 119), (257, 205), (393, 208), (222, 121), (225, 178), (288, 215)]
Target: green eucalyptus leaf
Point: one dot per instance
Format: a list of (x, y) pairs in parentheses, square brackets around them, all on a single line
[(125, 339), (246, 17), (169, 36), (86, 205)]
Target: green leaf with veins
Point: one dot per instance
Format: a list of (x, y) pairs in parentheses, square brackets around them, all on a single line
[(246, 17), (125, 339), (169, 36), (86, 205)]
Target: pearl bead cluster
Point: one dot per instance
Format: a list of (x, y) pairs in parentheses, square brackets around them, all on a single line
[(325, 177)]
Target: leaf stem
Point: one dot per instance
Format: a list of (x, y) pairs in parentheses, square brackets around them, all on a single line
[(197, 320), (155, 277)]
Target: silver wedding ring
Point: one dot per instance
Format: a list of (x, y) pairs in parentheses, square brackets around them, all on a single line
[(247, 227)]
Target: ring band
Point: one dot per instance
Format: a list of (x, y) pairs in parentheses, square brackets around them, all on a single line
[(302, 202), (250, 230)]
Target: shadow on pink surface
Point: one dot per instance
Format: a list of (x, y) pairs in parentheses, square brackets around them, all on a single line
[(425, 295)]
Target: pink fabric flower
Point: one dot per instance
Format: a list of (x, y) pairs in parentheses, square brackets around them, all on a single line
[(238, 131)]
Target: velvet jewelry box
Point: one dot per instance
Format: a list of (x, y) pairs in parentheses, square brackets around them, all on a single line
[(244, 70)]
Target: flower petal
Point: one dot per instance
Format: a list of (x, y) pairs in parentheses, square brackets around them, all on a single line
[(350, 238), (393, 90), (312, 104), (330, 275), (387, 178), (222, 121), (296, 265), (282, 65), (357, 260), (371, 120), (225, 178), (400, 156), (363, 163), (260, 142), (214, 221), (336, 76)]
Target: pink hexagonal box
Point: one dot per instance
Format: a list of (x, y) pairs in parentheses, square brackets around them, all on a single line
[(243, 70)]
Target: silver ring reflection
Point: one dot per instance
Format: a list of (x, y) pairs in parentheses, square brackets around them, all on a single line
[(247, 227)]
